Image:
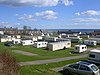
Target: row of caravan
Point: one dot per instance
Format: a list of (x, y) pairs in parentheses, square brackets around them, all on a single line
[(50, 46)]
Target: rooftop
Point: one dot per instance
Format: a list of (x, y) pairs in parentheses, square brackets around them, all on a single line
[(83, 62), (80, 45), (95, 50), (59, 42)]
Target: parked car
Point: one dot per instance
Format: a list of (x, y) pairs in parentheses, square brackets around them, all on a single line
[(81, 68), (8, 44)]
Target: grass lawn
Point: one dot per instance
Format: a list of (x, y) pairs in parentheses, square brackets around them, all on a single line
[(42, 53), (45, 69)]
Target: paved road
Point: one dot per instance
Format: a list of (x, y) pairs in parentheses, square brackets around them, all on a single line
[(24, 53), (51, 60)]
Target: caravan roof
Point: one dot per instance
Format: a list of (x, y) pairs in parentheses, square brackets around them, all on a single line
[(59, 42), (79, 45), (95, 50), (94, 38)]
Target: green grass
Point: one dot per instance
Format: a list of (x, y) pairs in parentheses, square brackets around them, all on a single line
[(42, 53), (45, 69)]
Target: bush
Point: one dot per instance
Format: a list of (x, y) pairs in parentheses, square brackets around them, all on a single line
[(8, 64)]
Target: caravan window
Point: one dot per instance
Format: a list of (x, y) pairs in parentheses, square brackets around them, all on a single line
[(92, 42), (39, 44), (92, 55), (23, 42), (82, 47), (77, 48), (68, 43), (85, 47)]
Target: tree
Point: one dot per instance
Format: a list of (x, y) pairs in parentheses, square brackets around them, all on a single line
[(26, 28)]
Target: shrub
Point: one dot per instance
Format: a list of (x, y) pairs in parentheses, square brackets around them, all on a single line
[(8, 64)]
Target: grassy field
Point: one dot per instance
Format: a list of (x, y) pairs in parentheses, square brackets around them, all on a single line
[(45, 69), (42, 53)]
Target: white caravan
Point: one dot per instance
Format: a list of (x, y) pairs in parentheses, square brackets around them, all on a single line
[(74, 39), (27, 42), (50, 39), (59, 45), (40, 44), (90, 42), (16, 41), (80, 48), (94, 56), (96, 39)]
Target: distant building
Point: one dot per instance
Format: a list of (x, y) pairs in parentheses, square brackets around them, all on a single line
[(15, 31), (68, 32), (84, 36)]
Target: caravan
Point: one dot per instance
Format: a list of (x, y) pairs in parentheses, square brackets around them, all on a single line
[(74, 39), (96, 39), (94, 56), (80, 48), (90, 42), (27, 42), (40, 44), (16, 41), (59, 45)]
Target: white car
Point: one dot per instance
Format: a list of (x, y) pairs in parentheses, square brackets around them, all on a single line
[(81, 68)]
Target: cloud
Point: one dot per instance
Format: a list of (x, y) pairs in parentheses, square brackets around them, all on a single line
[(87, 19), (16, 14), (77, 14), (27, 18), (89, 13), (36, 3), (9, 24), (67, 2), (48, 14)]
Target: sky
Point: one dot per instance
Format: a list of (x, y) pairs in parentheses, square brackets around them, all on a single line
[(50, 14)]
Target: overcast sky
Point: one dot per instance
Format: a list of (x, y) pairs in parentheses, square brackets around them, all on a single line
[(50, 14)]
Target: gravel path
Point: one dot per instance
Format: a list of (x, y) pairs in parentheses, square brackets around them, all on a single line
[(24, 53), (51, 60)]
